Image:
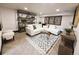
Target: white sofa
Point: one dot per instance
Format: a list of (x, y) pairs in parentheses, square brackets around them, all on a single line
[(49, 28), (31, 31)]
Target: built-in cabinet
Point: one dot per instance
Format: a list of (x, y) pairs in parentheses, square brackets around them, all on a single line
[(24, 17)]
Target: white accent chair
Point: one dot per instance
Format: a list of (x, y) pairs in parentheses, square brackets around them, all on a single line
[(8, 34)]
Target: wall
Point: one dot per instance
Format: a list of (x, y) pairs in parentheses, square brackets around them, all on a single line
[(8, 19), (39, 19), (67, 21)]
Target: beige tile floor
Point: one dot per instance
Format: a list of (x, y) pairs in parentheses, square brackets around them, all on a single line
[(20, 39), (24, 47)]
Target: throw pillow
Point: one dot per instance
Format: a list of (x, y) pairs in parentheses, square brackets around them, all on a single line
[(34, 27)]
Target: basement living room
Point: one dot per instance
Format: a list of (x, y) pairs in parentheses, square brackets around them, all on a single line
[(39, 28)]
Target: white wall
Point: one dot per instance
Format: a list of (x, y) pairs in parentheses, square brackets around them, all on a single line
[(39, 19), (8, 19), (67, 21)]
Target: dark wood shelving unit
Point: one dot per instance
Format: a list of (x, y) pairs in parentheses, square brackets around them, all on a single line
[(24, 17)]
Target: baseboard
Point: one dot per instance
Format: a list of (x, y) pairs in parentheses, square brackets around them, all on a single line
[(16, 31), (19, 31)]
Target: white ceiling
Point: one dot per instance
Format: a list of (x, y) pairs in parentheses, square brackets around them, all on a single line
[(45, 8)]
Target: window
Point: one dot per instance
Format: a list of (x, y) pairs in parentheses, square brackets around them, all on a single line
[(46, 20), (54, 20), (51, 20), (57, 20)]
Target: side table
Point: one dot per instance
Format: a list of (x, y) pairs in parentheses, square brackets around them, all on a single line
[(68, 40)]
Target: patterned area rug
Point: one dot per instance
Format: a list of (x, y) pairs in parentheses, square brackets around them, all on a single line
[(43, 42)]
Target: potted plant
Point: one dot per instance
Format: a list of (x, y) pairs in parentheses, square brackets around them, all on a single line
[(68, 31)]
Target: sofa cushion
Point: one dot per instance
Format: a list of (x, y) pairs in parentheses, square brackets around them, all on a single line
[(7, 30), (8, 35), (30, 27), (38, 26), (34, 27), (54, 31), (52, 26)]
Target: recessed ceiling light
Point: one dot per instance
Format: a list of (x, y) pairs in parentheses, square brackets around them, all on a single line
[(40, 12), (25, 8), (57, 10)]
